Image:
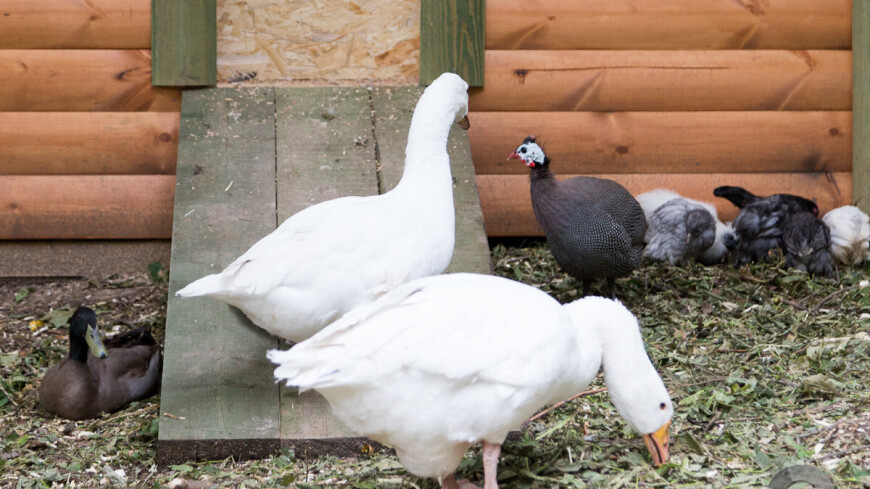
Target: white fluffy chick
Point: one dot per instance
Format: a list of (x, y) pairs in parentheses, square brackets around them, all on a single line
[(850, 234)]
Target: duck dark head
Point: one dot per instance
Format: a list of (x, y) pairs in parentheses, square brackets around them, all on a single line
[(83, 333), (531, 153)]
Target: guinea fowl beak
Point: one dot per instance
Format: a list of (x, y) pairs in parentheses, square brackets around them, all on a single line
[(464, 123), (513, 156), (657, 443)]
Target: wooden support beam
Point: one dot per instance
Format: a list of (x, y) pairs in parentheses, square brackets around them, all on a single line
[(668, 24), (81, 80), (184, 41), (861, 103), (86, 207), (667, 142), (81, 143), (452, 39), (217, 383), (507, 206), (75, 24), (665, 80)]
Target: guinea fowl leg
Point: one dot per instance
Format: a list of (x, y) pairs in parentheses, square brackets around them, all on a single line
[(587, 285), (491, 452), (611, 284)]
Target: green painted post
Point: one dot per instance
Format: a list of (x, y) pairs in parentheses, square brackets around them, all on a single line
[(183, 42), (452, 35), (861, 103)]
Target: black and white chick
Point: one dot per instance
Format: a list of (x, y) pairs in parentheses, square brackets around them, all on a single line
[(850, 234), (759, 226), (688, 231), (806, 243)]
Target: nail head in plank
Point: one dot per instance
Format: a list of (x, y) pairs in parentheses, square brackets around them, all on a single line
[(217, 386)]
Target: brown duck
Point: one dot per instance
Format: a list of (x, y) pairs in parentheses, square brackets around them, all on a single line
[(124, 369)]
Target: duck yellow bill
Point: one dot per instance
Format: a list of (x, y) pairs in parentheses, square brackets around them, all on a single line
[(657, 443), (95, 344)]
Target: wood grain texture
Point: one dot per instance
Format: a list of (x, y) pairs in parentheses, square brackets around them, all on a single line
[(393, 110), (507, 206), (217, 382), (452, 39), (325, 149), (81, 80), (667, 24), (96, 258), (86, 206), (80, 143), (861, 103), (665, 80), (666, 142), (184, 35), (75, 24)]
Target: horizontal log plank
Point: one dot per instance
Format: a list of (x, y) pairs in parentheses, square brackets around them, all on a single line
[(666, 142), (86, 207), (507, 206), (665, 80), (80, 143), (668, 24), (75, 24), (81, 80)]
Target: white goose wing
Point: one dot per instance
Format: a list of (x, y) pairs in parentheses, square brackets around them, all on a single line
[(464, 327)]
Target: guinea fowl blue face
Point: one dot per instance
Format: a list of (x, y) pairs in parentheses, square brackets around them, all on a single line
[(531, 154)]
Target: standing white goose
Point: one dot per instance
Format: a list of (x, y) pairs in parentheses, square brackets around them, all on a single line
[(330, 257), (443, 362)]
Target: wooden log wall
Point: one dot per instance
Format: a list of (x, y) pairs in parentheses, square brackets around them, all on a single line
[(87, 145), (680, 94)]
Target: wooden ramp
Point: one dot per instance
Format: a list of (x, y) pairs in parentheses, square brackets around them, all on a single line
[(248, 159)]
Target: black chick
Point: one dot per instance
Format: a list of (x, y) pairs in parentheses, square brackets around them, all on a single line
[(594, 227), (759, 226), (807, 244)]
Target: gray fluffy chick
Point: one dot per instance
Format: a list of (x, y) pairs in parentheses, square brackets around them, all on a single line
[(806, 242), (679, 231)]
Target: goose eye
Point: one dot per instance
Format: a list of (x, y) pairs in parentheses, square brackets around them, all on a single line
[(662, 406), (523, 150)]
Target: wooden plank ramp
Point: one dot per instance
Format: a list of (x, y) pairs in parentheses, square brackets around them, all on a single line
[(249, 158)]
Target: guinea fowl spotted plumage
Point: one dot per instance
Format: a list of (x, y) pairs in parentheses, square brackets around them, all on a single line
[(850, 234), (806, 242), (759, 226), (124, 369), (594, 227)]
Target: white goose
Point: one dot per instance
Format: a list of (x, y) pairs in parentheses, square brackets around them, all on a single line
[(443, 362), (330, 257)]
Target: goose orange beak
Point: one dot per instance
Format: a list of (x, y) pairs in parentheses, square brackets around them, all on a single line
[(464, 123), (657, 443)]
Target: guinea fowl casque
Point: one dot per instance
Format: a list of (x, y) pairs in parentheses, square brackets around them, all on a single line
[(671, 221), (124, 369), (331, 257), (594, 227), (850, 234), (759, 225), (446, 361)]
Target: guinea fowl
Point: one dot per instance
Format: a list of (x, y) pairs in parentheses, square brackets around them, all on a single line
[(594, 227), (333, 256), (807, 241), (724, 240), (850, 234), (124, 369), (759, 226), (442, 362)]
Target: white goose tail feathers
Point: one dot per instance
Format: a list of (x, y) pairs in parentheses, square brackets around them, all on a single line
[(217, 285)]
